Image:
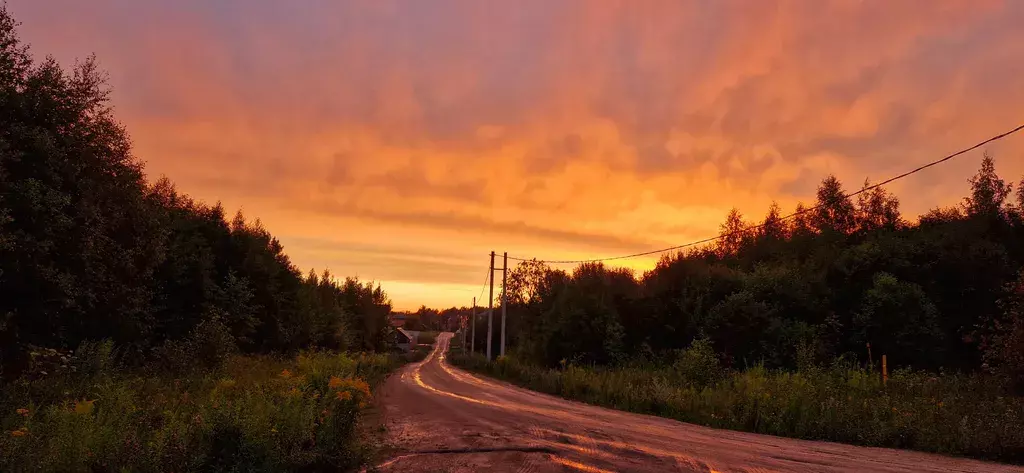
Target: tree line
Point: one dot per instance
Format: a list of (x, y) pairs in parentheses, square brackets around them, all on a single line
[(90, 250), (942, 292)]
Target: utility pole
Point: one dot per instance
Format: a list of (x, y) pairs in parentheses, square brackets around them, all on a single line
[(490, 309), (472, 340), (504, 299)]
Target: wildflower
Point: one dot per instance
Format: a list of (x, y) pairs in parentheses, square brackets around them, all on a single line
[(344, 396), (84, 407), (294, 392), (273, 430), (22, 412), (226, 383), (286, 374), (939, 404), (335, 382), (20, 432)]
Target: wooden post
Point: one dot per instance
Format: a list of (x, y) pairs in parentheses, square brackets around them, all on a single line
[(871, 362), (504, 301), (472, 340), (490, 309), (885, 371)]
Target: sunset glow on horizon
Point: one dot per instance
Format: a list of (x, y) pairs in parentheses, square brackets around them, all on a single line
[(402, 141)]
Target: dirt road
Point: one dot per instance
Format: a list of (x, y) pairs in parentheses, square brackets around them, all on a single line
[(444, 419)]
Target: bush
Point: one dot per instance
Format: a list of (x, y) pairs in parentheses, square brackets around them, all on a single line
[(208, 345), (250, 414), (697, 365)]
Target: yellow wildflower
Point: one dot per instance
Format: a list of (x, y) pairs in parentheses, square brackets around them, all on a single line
[(18, 433), (335, 382), (286, 374), (84, 407), (344, 396), (22, 412)]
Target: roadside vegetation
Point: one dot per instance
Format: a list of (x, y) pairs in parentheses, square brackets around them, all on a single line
[(427, 338), (955, 414), (143, 330), (252, 413)]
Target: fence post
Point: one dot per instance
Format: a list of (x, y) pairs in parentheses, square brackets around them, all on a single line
[(885, 371)]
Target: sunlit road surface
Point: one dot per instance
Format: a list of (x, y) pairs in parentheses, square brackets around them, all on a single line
[(441, 418)]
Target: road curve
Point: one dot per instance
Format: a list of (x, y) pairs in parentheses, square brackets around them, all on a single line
[(440, 418)]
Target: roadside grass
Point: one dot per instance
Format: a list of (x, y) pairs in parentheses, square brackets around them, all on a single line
[(420, 352), (965, 415), (427, 338), (256, 413)]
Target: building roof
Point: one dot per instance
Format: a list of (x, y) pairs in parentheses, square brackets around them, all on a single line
[(397, 320)]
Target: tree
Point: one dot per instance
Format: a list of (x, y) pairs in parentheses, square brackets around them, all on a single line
[(834, 213), (773, 228), (1020, 195), (525, 282), (802, 226), (899, 320), (89, 250), (877, 209), (1004, 343), (733, 234), (988, 191)]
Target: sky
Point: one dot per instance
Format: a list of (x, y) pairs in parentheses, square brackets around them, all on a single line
[(402, 141)]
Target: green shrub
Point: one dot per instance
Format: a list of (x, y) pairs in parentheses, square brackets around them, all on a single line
[(249, 414), (698, 364), (209, 344)]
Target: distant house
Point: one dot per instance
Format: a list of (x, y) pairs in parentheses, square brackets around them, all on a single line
[(397, 320), (404, 340)]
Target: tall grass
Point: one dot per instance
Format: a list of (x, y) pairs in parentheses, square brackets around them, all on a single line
[(968, 415), (250, 414)]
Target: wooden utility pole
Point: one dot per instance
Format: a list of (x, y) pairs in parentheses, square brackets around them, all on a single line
[(490, 309), (472, 340), (504, 300)]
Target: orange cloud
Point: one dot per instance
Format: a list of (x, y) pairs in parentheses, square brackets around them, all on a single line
[(402, 141)]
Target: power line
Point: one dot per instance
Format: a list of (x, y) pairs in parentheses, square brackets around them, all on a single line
[(787, 217), (480, 296)]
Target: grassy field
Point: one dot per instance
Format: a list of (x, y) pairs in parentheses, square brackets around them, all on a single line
[(950, 414), (426, 338), (250, 414)]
